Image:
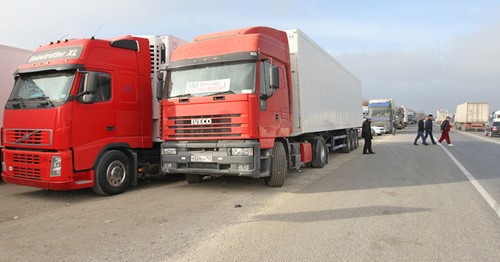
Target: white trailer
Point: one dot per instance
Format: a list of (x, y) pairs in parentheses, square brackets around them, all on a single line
[(441, 115), (10, 59), (326, 96), (472, 116)]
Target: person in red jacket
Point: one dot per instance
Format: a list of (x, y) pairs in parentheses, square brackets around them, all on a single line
[(445, 129)]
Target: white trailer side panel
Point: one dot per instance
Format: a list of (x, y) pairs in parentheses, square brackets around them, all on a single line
[(161, 49), (326, 96), (472, 113), (10, 59)]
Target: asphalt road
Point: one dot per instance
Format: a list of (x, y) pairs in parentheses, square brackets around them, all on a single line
[(405, 203)]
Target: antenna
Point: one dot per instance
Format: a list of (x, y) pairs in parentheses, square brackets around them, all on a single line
[(93, 36), (62, 37)]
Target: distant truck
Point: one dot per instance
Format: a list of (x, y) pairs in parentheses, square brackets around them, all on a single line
[(411, 117), (441, 115), (400, 115), (472, 116), (82, 114), (495, 116), (383, 112), (256, 102), (10, 58)]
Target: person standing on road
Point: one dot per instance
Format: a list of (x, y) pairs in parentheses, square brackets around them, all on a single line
[(420, 132), (428, 130), (366, 133), (445, 129)]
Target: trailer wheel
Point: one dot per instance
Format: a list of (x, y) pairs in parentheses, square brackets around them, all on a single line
[(356, 140), (319, 152), (352, 143), (347, 141), (278, 166), (192, 178), (112, 174)]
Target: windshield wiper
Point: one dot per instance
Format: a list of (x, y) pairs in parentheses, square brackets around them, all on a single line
[(183, 95), (221, 93), (20, 99), (47, 100)]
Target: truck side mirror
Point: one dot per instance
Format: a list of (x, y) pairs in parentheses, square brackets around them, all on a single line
[(159, 87), (274, 73), (89, 88)]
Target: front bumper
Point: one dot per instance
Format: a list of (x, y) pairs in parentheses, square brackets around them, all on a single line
[(211, 158), (33, 168)]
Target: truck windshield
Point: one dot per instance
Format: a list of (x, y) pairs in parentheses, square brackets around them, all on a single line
[(379, 111), (42, 89), (215, 79)]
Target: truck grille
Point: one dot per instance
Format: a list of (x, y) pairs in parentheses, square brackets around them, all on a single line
[(204, 126), (26, 172), (31, 137), (27, 159)]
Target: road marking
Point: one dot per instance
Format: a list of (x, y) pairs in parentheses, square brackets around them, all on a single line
[(493, 204), (481, 137)]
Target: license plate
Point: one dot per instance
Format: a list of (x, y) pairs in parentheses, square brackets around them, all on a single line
[(201, 158)]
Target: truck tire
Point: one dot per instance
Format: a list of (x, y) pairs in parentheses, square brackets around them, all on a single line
[(193, 179), (356, 140), (112, 174), (278, 166), (319, 152), (352, 144), (347, 141)]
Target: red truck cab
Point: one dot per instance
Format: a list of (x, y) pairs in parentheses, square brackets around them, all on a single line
[(216, 118), (80, 115)]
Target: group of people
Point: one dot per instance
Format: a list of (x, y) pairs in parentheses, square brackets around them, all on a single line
[(427, 128), (423, 127)]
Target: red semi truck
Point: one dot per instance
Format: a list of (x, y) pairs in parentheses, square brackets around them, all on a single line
[(82, 114), (255, 102)]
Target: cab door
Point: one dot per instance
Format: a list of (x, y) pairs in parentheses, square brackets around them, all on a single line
[(274, 103), (94, 119)]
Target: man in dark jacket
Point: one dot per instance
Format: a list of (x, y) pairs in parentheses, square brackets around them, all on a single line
[(445, 129), (366, 133), (420, 131), (428, 130)]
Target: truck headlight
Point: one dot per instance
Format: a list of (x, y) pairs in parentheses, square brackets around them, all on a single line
[(236, 151), (169, 151), (55, 169)]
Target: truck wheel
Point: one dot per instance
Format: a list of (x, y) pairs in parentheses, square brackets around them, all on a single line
[(112, 174), (319, 152), (353, 142), (347, 141), (192, 179), (278, 166)]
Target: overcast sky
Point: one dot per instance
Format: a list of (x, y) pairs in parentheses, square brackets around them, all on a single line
[(423, 54)]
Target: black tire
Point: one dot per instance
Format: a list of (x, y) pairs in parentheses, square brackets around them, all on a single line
[(112, 174), (193, 179), (319, 152), (356, 140), (278, 166), (347, 141), (353, 140)]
